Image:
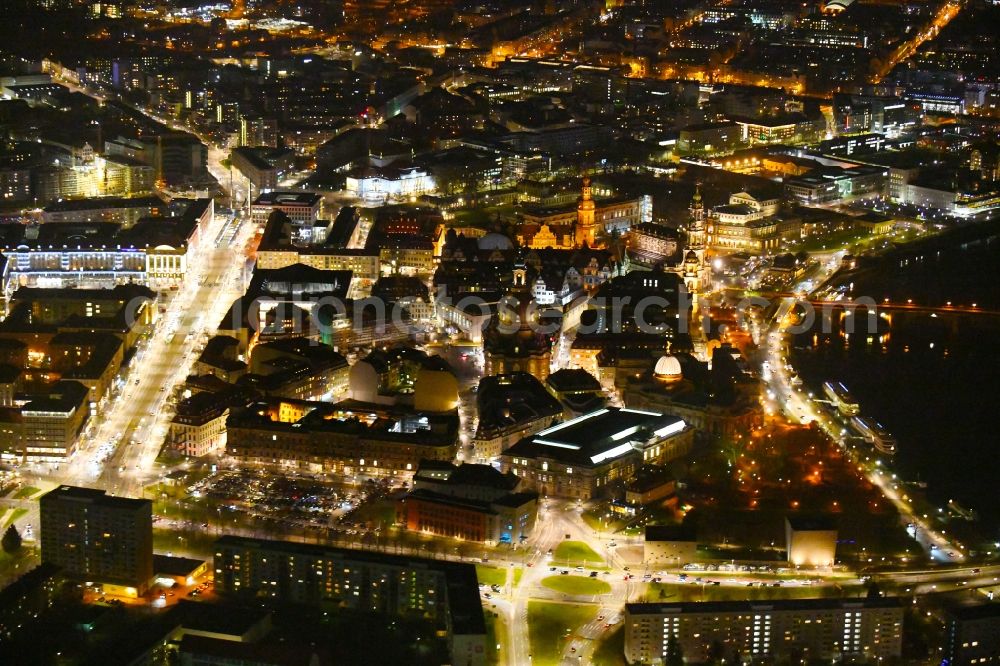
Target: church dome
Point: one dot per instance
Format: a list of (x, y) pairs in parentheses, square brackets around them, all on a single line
[(668, 369), (494, 241)]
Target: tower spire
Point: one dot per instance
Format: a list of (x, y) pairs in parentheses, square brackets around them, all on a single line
[(585, 233)]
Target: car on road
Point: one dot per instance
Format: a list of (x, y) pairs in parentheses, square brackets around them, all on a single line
[(593, 574), (579, 568), (564, 572), (552, 568)]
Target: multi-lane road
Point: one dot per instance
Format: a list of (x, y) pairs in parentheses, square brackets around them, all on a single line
[(118, 450)]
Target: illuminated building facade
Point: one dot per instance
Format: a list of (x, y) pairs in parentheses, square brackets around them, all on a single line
[(347, 438), (99, 538), (811, 541), (154, 252), (587, 223), (765, 631), (469, 501)]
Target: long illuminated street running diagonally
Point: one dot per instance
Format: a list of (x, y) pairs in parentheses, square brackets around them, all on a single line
[(136, 421), (799, 407)]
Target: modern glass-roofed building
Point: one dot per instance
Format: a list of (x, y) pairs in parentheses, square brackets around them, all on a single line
[(597, 452)]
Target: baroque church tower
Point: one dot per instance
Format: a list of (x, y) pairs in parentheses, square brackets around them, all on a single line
[(695, 269)]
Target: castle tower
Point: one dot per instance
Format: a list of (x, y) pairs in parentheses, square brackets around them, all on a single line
[(586, 222)]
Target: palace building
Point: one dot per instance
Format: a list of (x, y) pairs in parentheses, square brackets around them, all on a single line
[(749, 223), (585, 225)]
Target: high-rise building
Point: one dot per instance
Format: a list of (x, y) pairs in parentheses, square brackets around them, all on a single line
[(258, 131), (99, 538)]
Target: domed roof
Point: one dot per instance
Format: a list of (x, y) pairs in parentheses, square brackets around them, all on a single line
[(668, 367), (494, 241)]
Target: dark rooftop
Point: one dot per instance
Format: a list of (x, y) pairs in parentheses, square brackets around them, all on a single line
[(810, 523), (758, 606)]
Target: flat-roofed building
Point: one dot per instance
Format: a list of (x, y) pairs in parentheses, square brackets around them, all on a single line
[(764, 631), (833, 184), (123, 211), (52, 421), (99, 538), (593, 454), (710, 138), (973, 635), (811, 540), (349, 437), (153, 250), (263, 167), (281, 246), (470, 501), (669, 545), (302, 208), (387, 585)]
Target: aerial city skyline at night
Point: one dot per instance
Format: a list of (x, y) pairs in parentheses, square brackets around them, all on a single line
[(499, 332)]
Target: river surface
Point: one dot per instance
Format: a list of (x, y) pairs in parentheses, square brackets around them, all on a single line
[(933, 384)]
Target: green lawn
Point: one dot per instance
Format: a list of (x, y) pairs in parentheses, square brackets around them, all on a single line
[(495, 629), (611, 651), (577, 552), (26, 492), (550, 624), (491, 575), (517, 576), (576, 585), (15, 515)]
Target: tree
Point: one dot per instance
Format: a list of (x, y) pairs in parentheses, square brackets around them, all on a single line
[(11, 541)]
